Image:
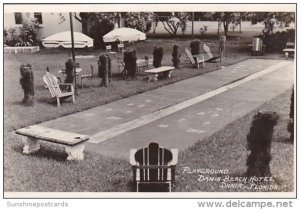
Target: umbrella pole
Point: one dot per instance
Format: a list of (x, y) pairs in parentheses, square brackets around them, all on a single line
[(73, 52)]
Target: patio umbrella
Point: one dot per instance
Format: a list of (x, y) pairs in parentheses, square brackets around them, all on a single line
[(64, 39), (124, 34)]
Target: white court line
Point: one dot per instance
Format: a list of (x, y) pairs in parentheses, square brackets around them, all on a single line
[(138, 122)]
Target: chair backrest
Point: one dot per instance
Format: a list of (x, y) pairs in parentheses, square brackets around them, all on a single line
[(207, 51), (156, 161), (120, 47), (257, 45), (290, 45), (52, 84), (189, 55), (108, 48)]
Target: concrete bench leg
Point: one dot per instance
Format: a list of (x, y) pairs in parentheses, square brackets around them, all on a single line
[(286, 54), (170, 74), (31, 145), (75, 152), (152, 77)]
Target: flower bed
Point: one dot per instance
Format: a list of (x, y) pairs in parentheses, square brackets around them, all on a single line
[(21, 49)]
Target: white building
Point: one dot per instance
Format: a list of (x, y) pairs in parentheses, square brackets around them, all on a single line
[(50, 23)]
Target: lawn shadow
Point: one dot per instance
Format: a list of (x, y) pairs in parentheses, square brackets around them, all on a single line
[(149, 187), (47, 153)]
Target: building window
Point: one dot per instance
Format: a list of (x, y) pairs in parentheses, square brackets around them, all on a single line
[(38, 16), (18, 18)]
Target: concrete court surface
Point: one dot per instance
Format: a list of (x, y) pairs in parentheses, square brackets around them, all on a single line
[(191, 118)]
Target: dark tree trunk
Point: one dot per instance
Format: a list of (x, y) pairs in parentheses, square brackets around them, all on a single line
[(225, 24), (85, 27), (84, 21)]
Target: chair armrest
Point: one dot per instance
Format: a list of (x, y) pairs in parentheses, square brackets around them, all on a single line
[(52, 86), (198, 55), (217, 52), (175, 157), (131, 157), (66, 84)]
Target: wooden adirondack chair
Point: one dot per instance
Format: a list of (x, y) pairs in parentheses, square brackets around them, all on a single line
[(54, 88), (289, 49), (210, 56), (195, 60), (87, 76), (153, 165)]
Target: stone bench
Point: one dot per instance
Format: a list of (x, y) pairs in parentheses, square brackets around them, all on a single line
[(288, 51), (73, 143), (153, 73)]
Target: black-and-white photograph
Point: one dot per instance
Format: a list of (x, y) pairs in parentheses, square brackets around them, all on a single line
[(149, 100)]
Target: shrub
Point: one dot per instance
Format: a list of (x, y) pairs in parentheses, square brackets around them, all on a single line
[(259, 142), (176, 56), (27, 83), (130, 62), (100, 27), (70, 64), (26, 35), (290, 126), (277, 41), (195, 47), (104, 69), (157, 56)]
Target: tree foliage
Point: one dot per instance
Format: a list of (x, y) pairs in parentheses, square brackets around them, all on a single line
[(283, 19), (141, 21), (228, 18), (97, 24), (171, 22), (26, 35)]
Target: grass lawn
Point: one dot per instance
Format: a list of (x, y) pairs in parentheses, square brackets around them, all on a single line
[(226, 149), (92, 95), (46, 171)]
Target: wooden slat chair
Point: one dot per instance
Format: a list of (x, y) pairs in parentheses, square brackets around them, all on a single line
[(63, 71), (87, 76), (211, 57), (195, 60), (109, 51), (121, 48), (153, 165), (54, 88)]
